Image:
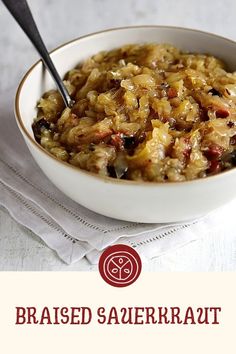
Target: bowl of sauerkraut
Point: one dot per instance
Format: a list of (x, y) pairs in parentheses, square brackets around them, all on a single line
[(152, 134)]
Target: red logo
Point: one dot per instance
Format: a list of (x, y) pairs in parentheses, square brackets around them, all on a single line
[(120, 265)]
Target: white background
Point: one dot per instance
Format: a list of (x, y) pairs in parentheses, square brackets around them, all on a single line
[(88, 289), (63, 20)]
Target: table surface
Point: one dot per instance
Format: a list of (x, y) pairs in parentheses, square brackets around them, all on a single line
[(20, 249)]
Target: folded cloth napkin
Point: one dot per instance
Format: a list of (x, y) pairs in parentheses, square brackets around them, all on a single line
[(70, 229)]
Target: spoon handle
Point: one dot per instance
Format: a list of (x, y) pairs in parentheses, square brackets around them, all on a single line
[(23, 16)]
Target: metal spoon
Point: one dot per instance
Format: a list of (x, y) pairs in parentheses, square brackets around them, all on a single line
[(23, 16)]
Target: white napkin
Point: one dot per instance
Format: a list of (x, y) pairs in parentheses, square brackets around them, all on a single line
[(70, 229)]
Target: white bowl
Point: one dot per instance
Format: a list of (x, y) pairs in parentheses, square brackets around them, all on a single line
[(127, 200)]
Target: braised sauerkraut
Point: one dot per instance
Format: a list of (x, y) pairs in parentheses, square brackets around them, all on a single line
[(144, 112)]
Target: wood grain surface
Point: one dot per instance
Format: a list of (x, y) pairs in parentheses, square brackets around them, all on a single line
[(60, 21)]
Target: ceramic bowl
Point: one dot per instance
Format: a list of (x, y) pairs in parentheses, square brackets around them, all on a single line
[(126, 200)]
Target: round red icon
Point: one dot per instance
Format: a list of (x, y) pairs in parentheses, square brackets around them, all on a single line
[(120, 265)]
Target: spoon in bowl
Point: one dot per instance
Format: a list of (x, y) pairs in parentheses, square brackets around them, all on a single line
[(23, 16)]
